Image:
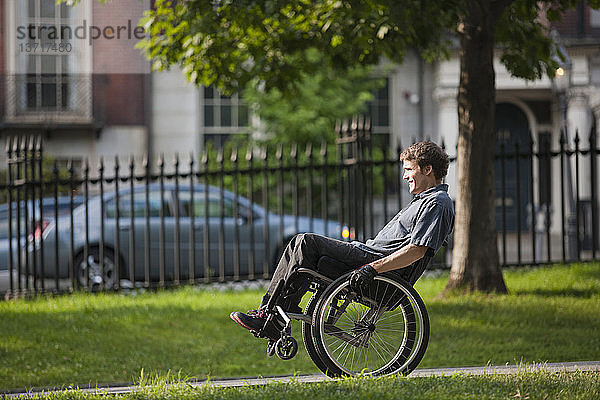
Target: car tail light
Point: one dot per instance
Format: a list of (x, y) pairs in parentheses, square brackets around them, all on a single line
[(39, 228)]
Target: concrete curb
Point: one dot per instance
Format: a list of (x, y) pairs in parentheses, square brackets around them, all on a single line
[(583, 366)]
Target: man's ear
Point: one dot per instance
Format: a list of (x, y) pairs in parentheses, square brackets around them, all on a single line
[(428, 170)]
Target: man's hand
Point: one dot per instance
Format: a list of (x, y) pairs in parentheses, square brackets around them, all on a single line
[(361, 277)]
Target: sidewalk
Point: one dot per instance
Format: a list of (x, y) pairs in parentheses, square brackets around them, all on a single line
[(588, 366)]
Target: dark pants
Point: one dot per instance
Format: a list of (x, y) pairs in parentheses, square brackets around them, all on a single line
[(304, 251)]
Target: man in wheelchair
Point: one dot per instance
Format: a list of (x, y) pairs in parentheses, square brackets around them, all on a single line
[(419, 229)]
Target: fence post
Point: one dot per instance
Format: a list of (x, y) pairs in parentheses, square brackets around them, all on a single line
[(192, 215), (236, 213), (176, 235), (9, 156), (131, 222), (117, 250), (562, 195), (161, 212), (324, 207), (593, 154), (577, 197), (250, 161), (267, 257)]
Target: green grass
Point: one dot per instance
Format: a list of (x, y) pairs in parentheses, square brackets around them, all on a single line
[(531, 385), (551, 314)]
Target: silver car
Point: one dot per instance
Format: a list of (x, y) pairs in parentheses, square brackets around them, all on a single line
[(62, 204), (159, 224)]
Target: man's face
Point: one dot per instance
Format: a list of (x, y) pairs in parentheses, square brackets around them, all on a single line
[(418, 179)]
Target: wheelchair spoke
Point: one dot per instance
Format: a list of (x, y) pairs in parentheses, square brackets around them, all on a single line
[(374, 331)]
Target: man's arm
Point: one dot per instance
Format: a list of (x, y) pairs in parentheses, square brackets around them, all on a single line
[(400, 258)]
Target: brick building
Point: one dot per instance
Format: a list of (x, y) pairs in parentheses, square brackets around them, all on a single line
[(73, 75)]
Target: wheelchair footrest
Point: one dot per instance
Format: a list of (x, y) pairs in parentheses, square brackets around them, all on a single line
[(300, 317)]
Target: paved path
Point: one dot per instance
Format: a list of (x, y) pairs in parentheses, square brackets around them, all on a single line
[(593, 366)]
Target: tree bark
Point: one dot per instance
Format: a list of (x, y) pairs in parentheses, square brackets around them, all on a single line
[(475, 261)]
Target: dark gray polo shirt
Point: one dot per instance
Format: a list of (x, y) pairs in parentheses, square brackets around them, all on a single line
[(426, 221)]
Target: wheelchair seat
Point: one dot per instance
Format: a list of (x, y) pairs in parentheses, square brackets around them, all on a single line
[(333, 268)]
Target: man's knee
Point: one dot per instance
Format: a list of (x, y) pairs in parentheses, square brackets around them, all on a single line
[(300, 241)]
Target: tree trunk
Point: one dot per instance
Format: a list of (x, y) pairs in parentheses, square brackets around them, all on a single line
[(475, 261)]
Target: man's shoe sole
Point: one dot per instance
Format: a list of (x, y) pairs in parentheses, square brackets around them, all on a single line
[(243, 325)]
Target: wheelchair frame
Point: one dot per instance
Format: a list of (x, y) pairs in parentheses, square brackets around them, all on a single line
[(347, 333)]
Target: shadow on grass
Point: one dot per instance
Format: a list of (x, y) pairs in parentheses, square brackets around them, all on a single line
[(577, 293)]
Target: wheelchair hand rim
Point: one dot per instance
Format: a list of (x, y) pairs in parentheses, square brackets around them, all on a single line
[(390, 366)]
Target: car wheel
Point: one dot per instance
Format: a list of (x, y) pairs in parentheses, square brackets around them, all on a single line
[(92, 274)]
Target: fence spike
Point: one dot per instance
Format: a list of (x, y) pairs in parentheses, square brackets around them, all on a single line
[(279, 153), (191, 163), (354, 123), (131, 162), (220, 155), (368, 123), (21, 144), (249, 154), (324, 149), (176, 160), (24, 143), (294, 151), (309, 150), (161, 160), (234, 154), (576, 140), (563, 137), (204, 159), (344, 127), (338, 127), (39, 143), (101, 163)]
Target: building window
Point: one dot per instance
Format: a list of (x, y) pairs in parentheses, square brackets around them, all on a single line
[(594, 18), (45, 54), (379, 110), (223, 116), (44, 69)]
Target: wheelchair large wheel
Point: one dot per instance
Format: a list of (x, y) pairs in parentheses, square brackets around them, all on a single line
[(383, 331), (307, 336)]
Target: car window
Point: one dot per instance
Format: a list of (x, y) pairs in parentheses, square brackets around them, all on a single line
[(64, 207), (198, 208), (4, 229), (4, 224), (139, 205)]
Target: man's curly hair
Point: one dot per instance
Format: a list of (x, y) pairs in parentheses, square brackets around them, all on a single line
[(427, 153)]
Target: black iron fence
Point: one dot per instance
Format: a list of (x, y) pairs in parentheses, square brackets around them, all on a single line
[(228, 214)]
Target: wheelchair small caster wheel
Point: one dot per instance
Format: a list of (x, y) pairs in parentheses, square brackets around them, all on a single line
[(271, 348), (287, 349)]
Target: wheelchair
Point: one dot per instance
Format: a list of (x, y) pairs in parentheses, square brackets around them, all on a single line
[(382, 330)]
